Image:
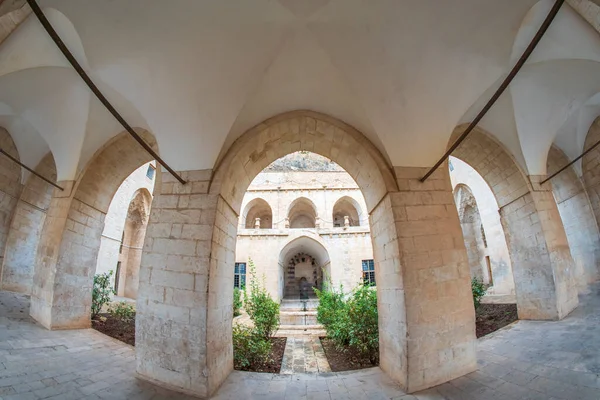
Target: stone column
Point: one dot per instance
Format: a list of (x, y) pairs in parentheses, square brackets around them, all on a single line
[(172, 326), (440, 315), (62, 284), (542, 264)]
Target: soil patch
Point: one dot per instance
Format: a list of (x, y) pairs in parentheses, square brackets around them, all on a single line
[(116, 328), (491, 317), (274, 364), (345, 359)]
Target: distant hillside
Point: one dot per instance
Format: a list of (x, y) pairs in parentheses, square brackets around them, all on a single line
[(303, 161)]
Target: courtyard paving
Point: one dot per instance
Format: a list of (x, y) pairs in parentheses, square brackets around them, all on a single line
[(304, 355), (527, 360)]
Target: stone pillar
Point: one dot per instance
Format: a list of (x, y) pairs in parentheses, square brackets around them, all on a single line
[(542, 264), (172, 328), (257, 223), (346, 221), (287, 223), (62, 284), (440, 315)]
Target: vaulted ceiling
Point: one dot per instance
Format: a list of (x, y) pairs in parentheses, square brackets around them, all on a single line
[(198, 73)]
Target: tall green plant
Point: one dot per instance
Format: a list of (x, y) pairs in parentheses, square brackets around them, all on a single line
[(478, 288), (237, 302), (101, 292), (260, 306)]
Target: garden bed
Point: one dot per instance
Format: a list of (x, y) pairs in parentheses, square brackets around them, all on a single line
[(275, 359), (345, 359), (115, 327), (491, 317)]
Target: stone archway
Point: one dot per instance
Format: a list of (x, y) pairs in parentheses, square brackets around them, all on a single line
[(422, 274), (577, 216), (70, 237), (542, 265), (134, 233)]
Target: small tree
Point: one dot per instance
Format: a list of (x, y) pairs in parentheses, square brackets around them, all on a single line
[(101, 292), (260, 306), (237, 302), (478, 288)]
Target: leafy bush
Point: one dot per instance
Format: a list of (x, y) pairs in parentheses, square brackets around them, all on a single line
[(478, 288), (123, 311), (332, 313), (101, 292), (237, 302), (249, 347), (363, 322), (351, 321), (260, 306)]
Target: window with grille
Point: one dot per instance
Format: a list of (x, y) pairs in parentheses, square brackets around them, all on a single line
[(368, 270), (150, 172), (239, 275)]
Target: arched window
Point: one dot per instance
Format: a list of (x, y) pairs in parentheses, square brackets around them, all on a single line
[(258, 214), (346, 207), (302, 214)]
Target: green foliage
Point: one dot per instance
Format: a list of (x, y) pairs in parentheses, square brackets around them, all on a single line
[(260, 306), (351, 321), (101, 292), (249, 347), (363, 321), (478, 288), (332, 313), (237, 302), (123, 311)]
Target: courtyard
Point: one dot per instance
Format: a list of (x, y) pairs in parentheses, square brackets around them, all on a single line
[(547, 360)]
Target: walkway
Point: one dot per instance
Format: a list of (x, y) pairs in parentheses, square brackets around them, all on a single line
[(528, 360), (304, 355)]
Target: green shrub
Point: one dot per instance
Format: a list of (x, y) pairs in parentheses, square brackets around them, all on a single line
[(260, 306), (249, 347), (123, 311), (478, 288), (101, 292), (237, 302), (332, 313), (363, 322), (351, 321)]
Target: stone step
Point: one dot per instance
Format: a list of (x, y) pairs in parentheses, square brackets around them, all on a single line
[(303, 318), (300, 330)]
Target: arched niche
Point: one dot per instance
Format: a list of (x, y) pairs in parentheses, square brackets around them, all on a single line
[(302, 214), (257, 208), (346, 207)]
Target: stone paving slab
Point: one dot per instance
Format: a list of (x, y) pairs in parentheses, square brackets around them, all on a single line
[(304, 355), (526, 360)]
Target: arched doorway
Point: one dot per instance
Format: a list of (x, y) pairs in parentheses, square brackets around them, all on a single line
[(304, 262), (302, 214)]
